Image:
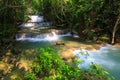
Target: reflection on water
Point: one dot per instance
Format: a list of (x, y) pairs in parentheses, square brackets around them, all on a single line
[(107, 56)]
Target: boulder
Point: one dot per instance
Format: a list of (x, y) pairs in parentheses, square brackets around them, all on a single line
[(59, 43)]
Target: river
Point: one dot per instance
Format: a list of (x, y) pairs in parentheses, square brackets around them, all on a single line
[(107, 56)]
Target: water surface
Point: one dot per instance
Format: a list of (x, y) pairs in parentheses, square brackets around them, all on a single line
[(107, 56)]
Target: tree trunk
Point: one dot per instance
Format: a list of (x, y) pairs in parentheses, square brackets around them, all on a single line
[(115, 29)]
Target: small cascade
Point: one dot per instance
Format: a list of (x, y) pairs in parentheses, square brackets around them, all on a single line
[(52, 37), (36, 24), (35, 21), (35, 18), (36, 37), (37, 29), (34, 30)]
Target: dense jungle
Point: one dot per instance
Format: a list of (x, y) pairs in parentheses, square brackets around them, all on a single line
[(95, 22)]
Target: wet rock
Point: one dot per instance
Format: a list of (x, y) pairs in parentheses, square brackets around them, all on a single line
[(59, 43), (59, 32), (64, 59)]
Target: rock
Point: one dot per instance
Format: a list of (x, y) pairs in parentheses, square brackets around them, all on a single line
[(67, 54), (64, 59), (59, 43)]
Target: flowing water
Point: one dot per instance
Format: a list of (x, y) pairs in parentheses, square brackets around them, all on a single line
[(107, 56)]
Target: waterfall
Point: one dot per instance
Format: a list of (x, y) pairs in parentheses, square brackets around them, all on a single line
[(36, 30), (52, 37), (35, 18), (36, 37), (36, 21)]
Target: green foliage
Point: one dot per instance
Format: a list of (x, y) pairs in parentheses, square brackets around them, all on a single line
[(35, 7), (12, 14), (98, 70), (107, 16), (69, 72), (12, 11), (75, 14), (95, 72), (7, 33), (30, 76), (47, 58), (83, 14), (48, 65)]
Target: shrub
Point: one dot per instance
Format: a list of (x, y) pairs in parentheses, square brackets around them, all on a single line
[(49, 66)]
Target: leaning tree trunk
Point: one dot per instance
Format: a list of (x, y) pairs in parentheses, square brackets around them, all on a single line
[(115, 29)]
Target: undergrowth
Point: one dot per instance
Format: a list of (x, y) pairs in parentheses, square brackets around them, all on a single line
[(48, 65)]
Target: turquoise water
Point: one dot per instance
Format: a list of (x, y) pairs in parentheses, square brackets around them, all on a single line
[(107, 56), (33, 45)]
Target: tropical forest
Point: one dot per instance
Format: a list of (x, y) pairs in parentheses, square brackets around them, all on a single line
[(59, 39)]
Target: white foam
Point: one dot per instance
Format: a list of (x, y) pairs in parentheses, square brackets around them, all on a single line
[(100, 56), (40, 37)]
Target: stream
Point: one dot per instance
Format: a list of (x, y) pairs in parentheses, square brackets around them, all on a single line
[(107, 56), (31, 37)]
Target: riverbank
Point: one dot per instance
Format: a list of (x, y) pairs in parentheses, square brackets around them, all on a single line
[(22, 60), (117, 45), (102, 54), (66, 51)]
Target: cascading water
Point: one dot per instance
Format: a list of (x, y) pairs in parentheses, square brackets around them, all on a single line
[(35, 25), (52, 37), (31, 30), (39, 37), (35, 21), (36, 18), (31, 37), (107, 56), (36, 37)]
